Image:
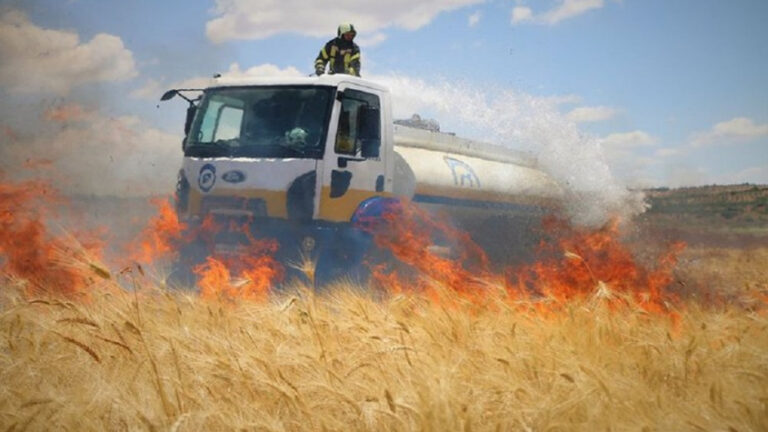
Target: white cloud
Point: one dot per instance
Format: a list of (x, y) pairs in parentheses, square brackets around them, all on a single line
[(569, 9), (723, 133), (591, 114), (260, 19), (92, 153), (629, 140), (741, 127), (35, 59), (668, 152), (371, 40), (474, 19), (153, 89), (263, 70), (521, 14), (566, 9), (567, 99)]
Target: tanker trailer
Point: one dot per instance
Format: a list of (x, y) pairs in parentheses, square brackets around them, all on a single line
[(302, 160), (495, 193)]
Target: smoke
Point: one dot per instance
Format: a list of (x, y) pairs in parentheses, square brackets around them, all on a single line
[(37, 59), (575, 160), (84, 151)]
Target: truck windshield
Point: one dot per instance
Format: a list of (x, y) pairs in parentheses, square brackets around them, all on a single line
[(275, 122)]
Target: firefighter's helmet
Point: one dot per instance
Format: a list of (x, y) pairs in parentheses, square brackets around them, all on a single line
[(346, 28)]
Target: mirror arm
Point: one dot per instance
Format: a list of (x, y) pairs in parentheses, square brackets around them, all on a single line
[(171, 93)]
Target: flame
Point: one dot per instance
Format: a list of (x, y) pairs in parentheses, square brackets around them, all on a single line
[(595, 265), (71, 263), (255, 266), (162, 235), (165, 235), (254, 263), (215, 279), (67, 264), (574, 264), (408, 231)]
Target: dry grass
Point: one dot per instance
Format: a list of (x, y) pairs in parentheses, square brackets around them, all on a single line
[(726, 270), (161, 360)]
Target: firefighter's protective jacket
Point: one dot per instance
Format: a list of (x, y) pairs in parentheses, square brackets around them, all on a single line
[(343, 57)]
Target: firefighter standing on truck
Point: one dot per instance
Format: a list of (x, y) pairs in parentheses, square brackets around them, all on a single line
[(341, 52)]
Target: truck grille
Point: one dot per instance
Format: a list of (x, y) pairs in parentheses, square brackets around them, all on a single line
[(234, 206)]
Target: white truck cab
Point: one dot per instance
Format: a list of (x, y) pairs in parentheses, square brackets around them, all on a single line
[(298, 149)]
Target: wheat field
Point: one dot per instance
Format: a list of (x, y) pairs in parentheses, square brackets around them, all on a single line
[(84, 346), (157, 359)]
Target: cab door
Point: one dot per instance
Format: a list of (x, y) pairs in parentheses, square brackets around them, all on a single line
[(354, 166)]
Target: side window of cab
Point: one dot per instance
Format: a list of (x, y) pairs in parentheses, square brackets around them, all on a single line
[(359, 128)]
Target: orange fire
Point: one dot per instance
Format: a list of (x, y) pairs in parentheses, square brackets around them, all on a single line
[(71, 264), (253, 263), (161, 235), (574, 264), (594, 264), (408, 231), (255, 266), (64, 264)]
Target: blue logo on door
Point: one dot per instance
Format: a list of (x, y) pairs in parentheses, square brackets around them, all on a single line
[(234, 176), (207, 177)]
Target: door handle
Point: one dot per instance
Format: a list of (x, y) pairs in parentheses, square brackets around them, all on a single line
[(342, 161)]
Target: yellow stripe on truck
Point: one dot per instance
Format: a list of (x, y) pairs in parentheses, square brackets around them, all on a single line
[(338, 209)]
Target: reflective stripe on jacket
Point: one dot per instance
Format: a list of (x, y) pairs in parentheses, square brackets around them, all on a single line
[(342, 55)]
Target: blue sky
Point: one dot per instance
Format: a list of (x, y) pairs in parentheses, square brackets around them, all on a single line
[(662, 92)]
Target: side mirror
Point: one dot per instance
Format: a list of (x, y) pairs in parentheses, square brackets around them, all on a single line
[(369, 131), (169, 95)]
